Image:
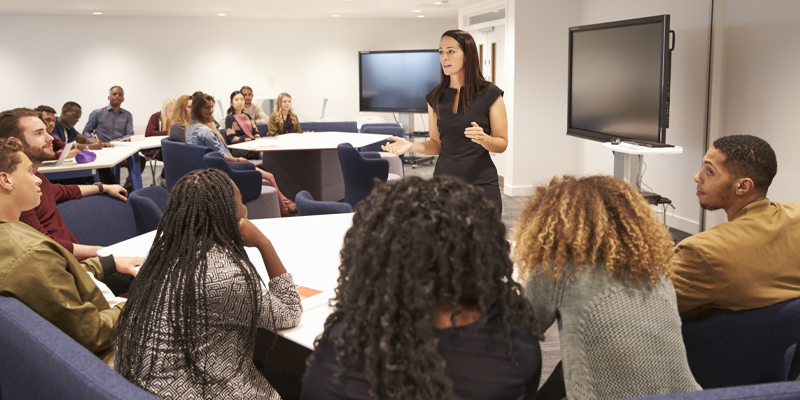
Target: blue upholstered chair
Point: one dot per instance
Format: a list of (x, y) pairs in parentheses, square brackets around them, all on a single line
[(39, 361), (729, 348), (99, 220), (261, 200), (330, 126), (306, 205), (180, 159), (767, 391), (359, 171), (148, 206), (262, 129)]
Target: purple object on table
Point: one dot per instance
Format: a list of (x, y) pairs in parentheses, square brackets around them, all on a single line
[(85, 157)]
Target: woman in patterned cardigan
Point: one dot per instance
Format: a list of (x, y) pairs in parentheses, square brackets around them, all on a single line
[(188, 329)]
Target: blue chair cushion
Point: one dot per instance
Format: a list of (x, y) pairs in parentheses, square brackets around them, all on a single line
[(306, 205), (99, 220), (180, 159), (359, 171), (148, 206), (728, 348), (246, 178), (39, 361)]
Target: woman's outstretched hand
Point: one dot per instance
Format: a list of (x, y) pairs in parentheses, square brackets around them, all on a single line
[(399, 146)]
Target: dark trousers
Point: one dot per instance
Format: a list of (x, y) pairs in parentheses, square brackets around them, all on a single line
[(282, 362), (553, 388)]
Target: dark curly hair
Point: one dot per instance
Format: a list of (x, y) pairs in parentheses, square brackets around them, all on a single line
[(413, 243), (199, 217), (751, 157)]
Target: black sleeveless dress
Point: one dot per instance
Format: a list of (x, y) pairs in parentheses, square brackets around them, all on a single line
[(460, 156)]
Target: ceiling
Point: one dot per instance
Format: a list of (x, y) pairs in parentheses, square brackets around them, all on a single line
[(239, 8)]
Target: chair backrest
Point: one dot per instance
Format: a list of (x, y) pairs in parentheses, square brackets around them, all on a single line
[(767, 391), (382, 129), (729, 348), (306, 205), (263, 129), (180, 159), (248, 181), (359, 173), (39, 361), (148, 206), (330, 126), (99, 220)]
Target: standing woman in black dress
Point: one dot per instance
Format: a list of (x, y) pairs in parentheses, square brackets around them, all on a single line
[(463, 131)]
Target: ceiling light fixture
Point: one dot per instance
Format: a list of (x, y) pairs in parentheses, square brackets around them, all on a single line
[(420, 16), (221, 14), (97, 13), (336, 15), (416, 10)]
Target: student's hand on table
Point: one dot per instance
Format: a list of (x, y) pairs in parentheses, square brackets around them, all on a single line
[(116, 191), (251, 236), (476, 134), (127, 265), (399, 147), (106, 144)]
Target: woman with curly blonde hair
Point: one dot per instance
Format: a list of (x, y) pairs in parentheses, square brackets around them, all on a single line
[(595, 257)]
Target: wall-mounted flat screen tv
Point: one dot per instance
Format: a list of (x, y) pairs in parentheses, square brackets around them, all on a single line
[(397, 81), (619, 80)]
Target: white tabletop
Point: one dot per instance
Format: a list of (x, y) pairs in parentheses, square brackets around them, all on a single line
[(310, 141), (142, 142), (107, 157), (309, 248)]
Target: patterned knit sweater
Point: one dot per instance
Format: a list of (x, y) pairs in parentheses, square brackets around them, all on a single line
[(619, 338)]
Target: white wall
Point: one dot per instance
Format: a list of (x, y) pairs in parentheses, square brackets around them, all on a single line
[(537, 95), (51, 59), (758, 82)]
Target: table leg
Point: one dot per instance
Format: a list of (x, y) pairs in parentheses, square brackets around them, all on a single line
[(135, 171)]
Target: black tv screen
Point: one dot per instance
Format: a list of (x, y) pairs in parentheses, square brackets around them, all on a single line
[(619, 80), (397, 81)]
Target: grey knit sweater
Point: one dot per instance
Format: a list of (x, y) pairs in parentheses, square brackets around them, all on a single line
[(619, 338)]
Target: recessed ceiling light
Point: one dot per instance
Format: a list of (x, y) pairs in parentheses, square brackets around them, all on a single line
[(420, 16), (437, 2), (222, 14), (97, 13), (336, 15), (416, 10)]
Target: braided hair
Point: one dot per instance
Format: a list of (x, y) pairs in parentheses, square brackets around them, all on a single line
[(413, 243), (199, 218)]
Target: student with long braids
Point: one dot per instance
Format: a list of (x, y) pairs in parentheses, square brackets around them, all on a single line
[(203, 132), (188, 329), (426, 306)]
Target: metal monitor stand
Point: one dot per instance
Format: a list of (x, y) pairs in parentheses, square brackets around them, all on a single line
[(407, 120)]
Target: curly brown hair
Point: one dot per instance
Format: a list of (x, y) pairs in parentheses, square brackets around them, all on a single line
[(595, 220)]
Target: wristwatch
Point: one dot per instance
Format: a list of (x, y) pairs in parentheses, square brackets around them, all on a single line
[(99, 186)]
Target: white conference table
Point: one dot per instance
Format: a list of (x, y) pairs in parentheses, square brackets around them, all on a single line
[(309, 248), (307, 161), (107, 157)]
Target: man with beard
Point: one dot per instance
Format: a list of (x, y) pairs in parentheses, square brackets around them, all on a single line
[(752, 260), (22, 125)]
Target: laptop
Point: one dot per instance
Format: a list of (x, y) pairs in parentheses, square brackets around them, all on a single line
[(62, 158)]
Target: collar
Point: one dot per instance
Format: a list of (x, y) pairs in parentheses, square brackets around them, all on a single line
[(752, 208)]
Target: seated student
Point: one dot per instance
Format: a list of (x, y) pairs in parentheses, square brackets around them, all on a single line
[(23, 126), (157, 125), (48, 115), (283, 120), (426, 306), (596, 258), (180, 119), (203, 132), (752, 260), (239, 127), (64, 128), (188, 329), (44, 275), (254, 110)]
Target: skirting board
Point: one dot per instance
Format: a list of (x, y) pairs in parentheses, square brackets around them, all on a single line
[(677, 222), (509, 190)]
